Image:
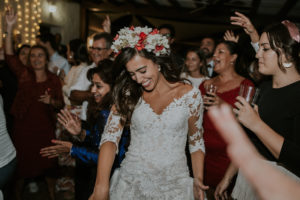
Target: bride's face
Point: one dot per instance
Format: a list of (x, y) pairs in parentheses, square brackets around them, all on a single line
[(144, 71)]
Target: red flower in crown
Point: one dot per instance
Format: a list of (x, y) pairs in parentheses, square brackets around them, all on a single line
[(131, 28), (155, 31), (143, 36), (140, 46), (159, 47), (117, 37)]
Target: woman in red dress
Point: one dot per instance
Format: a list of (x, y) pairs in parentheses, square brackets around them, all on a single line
[(227, 84), (39, 95)]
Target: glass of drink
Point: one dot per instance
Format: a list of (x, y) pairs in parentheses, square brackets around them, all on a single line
[(209, 90), (250, 93)]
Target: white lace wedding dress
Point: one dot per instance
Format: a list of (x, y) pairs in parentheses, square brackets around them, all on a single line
[(155, 165)]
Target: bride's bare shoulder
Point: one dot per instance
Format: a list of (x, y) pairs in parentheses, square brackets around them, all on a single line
[(183, 88)]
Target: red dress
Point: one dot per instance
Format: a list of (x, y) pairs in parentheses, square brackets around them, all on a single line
[(34, 121), (216, 159)]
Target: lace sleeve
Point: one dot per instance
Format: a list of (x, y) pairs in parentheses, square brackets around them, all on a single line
[(112, 130), (196, 108)]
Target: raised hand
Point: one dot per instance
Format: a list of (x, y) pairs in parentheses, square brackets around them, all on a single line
[(106, 25), (229, 36), (71, 122), (244, 22), (61, 147), (199, 189), (10, 17)]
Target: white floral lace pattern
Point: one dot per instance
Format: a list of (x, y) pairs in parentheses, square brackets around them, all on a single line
[(155, 165), (112, 130)]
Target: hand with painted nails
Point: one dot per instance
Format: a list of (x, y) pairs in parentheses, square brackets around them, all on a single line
[(70, 122), (241, 20), (247, 115), (60, 147)]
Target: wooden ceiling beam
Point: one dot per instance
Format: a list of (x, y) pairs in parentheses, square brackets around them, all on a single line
[(255, 5), (153, 3), (174, 3), (285, 9)]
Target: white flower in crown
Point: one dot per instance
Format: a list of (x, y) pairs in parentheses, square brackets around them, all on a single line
[(141, 38)]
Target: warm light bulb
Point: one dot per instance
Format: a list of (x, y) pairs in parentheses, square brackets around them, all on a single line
[(52, 8), (27, 41), (26, 22)]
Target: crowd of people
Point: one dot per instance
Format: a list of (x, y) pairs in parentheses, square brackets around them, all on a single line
[(136, 119)]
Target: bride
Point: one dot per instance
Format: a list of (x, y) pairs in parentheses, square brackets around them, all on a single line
[(163, 112)]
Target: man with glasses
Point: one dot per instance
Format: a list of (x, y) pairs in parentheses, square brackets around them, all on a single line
[(99, 51), (169, 31)]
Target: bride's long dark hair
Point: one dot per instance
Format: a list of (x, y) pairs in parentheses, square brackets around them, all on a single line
[(127, 92)]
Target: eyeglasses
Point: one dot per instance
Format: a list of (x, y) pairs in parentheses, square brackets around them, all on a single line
[(97, 48), (168, 35)]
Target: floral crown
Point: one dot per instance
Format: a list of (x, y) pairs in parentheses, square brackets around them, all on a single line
[(141, 38)]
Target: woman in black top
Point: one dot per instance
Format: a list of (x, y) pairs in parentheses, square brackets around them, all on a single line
[(276, 125)]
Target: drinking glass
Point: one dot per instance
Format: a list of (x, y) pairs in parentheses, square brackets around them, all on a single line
[(250, 93)]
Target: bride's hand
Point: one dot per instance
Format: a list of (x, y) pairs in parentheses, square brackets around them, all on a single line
[(100, 193), (199, 188)]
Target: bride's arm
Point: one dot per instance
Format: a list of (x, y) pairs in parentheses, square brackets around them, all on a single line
[(105, 162), (108, 148), (196, 143)]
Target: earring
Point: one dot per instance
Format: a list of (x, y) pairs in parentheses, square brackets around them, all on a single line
[(287, 64), (159, 68)]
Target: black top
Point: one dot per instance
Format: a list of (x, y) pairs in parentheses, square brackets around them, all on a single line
[(279, 108)]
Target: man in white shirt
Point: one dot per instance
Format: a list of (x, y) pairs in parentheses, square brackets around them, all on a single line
[(100, 50), (58, 64)]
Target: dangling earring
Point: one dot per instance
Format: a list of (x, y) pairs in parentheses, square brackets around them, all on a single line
[(287, 64), (159, 68)]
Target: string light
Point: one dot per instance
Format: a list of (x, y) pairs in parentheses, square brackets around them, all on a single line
[(29, 16)]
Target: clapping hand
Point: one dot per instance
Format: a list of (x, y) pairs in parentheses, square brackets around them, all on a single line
[(61, 147), (71, 122)]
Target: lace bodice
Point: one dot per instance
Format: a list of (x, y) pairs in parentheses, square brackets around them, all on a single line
[(155, 165), (161, 138)]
